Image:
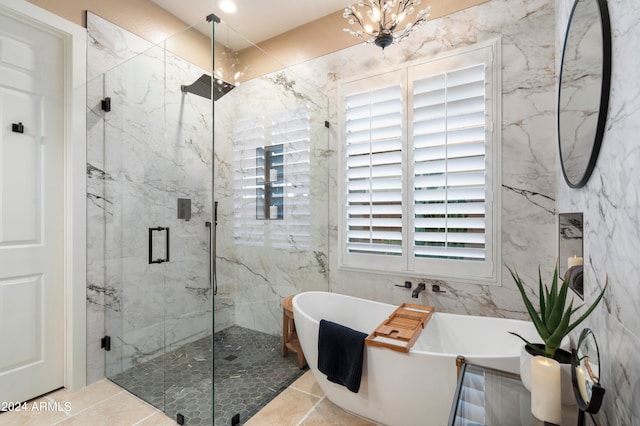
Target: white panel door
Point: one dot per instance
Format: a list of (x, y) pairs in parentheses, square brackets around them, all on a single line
[(31, 211)]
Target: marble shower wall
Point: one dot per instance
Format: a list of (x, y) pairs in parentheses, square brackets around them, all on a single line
[(152, 148), (610, 203), (259, 261), (529, 174)]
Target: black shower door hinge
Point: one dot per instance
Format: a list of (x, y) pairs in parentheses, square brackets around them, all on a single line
[(106, 104), (105, 343), (17, 127)]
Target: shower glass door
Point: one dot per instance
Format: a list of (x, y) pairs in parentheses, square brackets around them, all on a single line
[(155, 175), (135, 162)]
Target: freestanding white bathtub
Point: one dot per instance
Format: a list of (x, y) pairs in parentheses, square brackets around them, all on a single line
[(413, 389)]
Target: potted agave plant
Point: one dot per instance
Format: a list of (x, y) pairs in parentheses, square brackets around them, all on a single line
[(552, 321)]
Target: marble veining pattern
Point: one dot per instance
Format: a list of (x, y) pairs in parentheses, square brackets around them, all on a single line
[(153, 147), (251, 281), (259, 262), (529, 176), (610, 204)]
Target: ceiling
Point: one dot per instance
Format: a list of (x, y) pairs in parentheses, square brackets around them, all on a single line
[(254, 20)]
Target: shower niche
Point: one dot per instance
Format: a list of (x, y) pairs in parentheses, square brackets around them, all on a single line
[(270, 182)]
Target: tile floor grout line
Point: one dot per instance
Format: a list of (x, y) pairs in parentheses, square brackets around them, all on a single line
[(306, 416), (148, 417), (307, 392), (91, 406), (53, 400)]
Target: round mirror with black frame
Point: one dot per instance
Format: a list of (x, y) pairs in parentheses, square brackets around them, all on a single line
[(583, 95), (585, 374)]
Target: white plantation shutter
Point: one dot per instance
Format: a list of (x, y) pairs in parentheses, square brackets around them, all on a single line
[(292, 129), (248, 136), (373, 185), (449, 165), (420, 160)]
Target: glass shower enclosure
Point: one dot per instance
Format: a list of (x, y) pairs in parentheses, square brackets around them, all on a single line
[(150, 169), (204, 213)]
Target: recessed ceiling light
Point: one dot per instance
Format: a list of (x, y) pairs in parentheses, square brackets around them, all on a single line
[(227, 6)]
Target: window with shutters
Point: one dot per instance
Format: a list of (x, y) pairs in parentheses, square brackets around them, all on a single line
[(420, 178), (272, 179)]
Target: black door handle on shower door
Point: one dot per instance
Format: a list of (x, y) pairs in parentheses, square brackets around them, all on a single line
[(166, 240)]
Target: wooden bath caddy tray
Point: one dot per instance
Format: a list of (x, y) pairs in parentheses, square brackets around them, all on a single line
[(401, 330)]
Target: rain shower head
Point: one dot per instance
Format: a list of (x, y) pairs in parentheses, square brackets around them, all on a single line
[(202, 87)]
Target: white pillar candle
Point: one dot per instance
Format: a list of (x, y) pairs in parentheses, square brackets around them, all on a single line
[(546, 403), (575, 261)]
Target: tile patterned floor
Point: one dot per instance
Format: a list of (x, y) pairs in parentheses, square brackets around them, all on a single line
[(106, 404), (178, 382), (242, 385), (304, 404), (249, 371), (100, 404)]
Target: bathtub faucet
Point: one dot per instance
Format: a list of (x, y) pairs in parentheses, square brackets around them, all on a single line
[(416, 292)]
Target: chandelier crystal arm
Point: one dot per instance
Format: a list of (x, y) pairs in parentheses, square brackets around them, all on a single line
[(355, 16), (383, 19), (386, 15)]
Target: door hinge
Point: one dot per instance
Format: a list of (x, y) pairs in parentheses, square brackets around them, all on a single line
[(106, 104), (105, 343), (17, 127)]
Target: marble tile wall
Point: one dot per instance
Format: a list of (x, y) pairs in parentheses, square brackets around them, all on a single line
[(529, 174), (248, 275), (153, 147), (609, 202), (253, 278), (259, 262), (531, 33)]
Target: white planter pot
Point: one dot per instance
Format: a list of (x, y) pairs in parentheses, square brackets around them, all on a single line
[(567, 395)]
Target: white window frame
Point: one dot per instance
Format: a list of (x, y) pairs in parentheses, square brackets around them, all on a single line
[(481, 272)]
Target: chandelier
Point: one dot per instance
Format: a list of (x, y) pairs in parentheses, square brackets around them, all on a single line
[(383, 17)]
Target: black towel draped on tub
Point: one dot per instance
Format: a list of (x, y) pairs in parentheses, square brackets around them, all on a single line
[(340, 354)]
